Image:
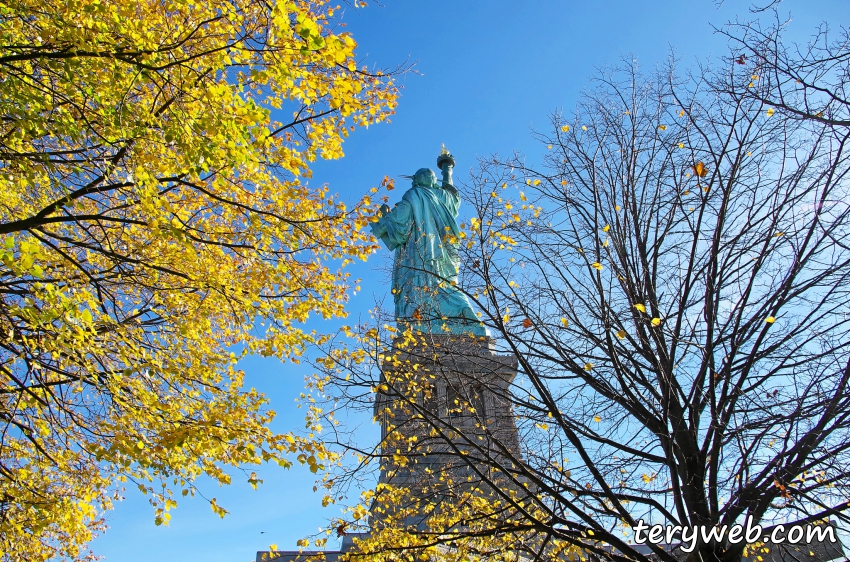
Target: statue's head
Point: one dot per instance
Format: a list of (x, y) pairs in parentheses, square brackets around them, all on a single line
[(424, 177)]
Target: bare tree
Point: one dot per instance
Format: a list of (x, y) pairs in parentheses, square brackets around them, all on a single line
[(807, 82), (672, 279)]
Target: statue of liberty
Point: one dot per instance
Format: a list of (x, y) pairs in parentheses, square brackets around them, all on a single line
[(422, 229)]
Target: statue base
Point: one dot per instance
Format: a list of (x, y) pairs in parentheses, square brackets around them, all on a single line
[(458, 385)]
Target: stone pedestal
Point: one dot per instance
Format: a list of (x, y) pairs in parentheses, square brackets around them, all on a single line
[(446, 419)]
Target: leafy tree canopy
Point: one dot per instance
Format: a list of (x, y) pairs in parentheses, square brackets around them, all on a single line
[(156, 226)]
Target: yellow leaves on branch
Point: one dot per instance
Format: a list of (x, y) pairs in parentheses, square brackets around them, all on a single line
[(182, 228), (217, 509), (493, 525)]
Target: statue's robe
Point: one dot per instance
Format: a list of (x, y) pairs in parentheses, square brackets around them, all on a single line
[(423, 230)]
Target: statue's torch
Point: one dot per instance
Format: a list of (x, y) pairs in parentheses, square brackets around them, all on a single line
[(445, 162)]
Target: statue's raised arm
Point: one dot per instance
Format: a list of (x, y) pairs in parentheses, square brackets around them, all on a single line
[(422, 229)]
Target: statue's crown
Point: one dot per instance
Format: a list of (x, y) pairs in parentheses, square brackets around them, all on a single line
[(424, 177)]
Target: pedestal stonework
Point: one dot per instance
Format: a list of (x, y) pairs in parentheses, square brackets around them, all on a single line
[(462, 421)]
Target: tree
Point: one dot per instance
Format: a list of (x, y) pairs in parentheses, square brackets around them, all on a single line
[(672, 280), (805, 83), (157, 226)]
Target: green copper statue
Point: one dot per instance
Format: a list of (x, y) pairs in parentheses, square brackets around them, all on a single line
[(422, 229)]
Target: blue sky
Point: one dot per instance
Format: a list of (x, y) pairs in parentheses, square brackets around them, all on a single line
[(486, 73)]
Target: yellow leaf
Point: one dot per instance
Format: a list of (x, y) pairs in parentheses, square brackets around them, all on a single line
[(681, 145), (770, 319), (700, 170), (597, 419), (596, 265), (565, 128), (656, 321), (640, 307), (662, 127), (588, 366), (606, 228), (564, 322), (621, 334), (770, 112), (682, 113)]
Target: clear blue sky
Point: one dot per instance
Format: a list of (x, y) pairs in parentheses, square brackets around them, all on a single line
[(487, 72)]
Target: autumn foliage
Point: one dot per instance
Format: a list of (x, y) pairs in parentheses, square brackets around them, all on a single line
[(156, 226)]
